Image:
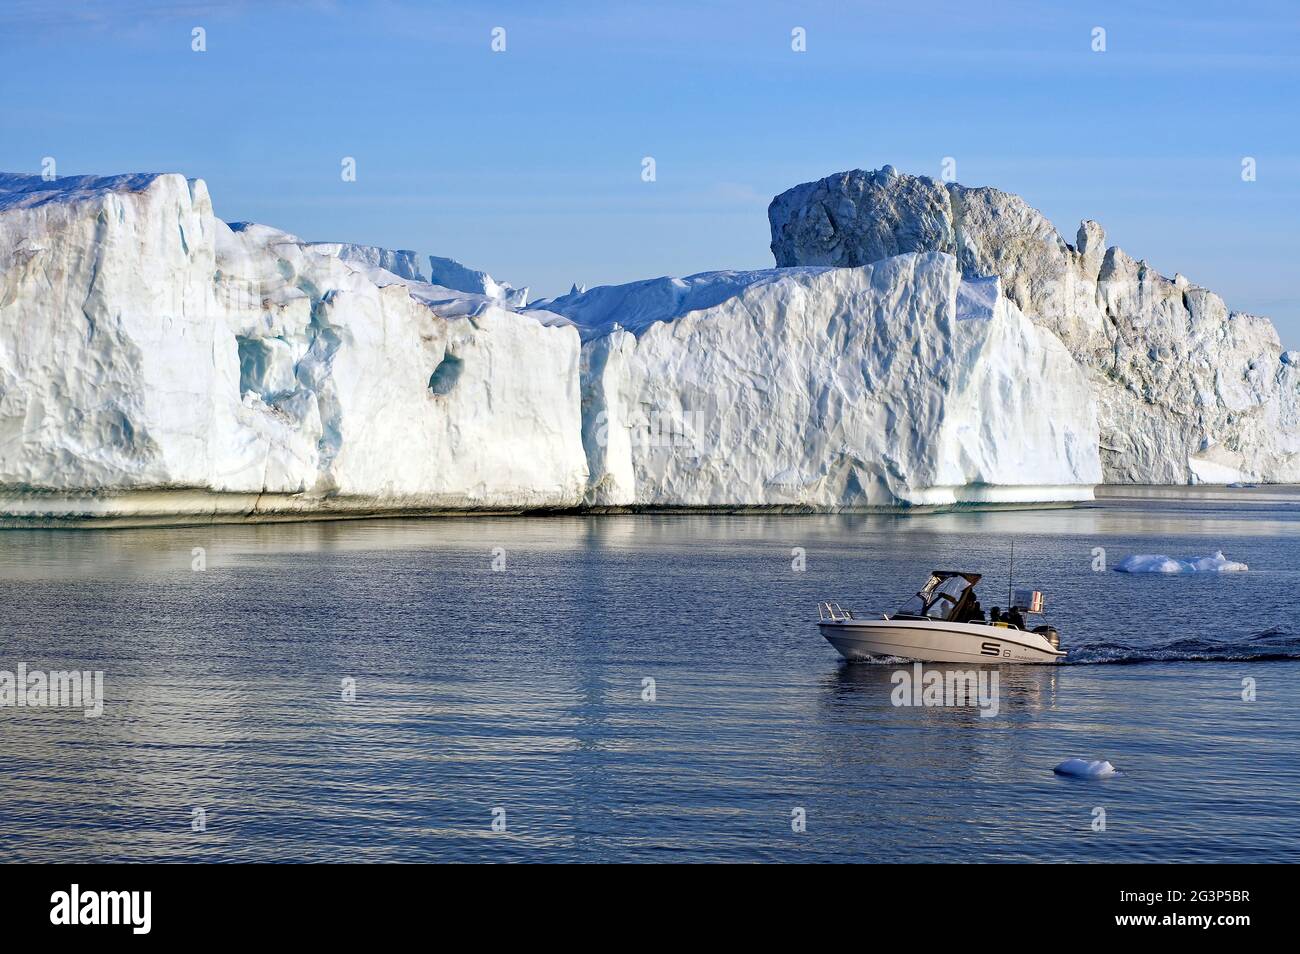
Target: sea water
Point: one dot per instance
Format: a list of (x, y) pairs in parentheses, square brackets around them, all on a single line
[(648, 688)]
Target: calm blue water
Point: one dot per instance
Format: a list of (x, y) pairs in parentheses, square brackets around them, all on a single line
[(521, 689)]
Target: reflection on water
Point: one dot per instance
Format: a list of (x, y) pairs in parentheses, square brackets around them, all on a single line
[(524, 689)]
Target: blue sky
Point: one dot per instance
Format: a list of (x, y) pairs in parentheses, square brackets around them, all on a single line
[(528, 162)]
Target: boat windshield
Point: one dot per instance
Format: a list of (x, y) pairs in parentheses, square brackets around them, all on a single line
[(937, 599), (916, 605), (946, 597)]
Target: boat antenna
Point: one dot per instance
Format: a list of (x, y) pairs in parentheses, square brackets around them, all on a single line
[(1011, 570)]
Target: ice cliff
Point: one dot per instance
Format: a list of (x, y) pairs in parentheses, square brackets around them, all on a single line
[(1187, 390), (155, 362), (823, 388)]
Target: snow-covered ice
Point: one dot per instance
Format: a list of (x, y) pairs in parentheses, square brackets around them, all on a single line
[(1158, 563), (452, 274), (429, 269)]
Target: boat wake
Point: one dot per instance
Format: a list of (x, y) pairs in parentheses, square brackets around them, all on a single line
[(1272, 644), (879, 661)]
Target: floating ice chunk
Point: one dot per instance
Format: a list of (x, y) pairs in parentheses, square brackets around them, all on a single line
[(1082, 768), (1216, 563), (1149, 563), (1159, 563)]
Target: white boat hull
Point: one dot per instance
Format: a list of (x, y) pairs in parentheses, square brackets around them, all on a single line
[(927, 641)]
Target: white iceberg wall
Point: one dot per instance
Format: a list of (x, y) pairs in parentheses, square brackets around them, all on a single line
[(1021, 412), (827, 388), (105, 302), (154, 357), (1187, 390), (500, 426)]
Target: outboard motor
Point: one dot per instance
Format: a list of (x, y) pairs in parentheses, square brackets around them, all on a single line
[(1050, 634), (1031, 601)]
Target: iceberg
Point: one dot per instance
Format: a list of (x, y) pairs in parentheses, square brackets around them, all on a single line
[(1158, 563), (160, 365), (919, 344), (1187, 390)]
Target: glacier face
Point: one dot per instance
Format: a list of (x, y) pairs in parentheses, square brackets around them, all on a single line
[(1187, 390), (156, 362), (894, 384)]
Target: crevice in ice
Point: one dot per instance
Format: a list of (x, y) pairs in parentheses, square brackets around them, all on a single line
[(313, 373), (92, 286), (958, 207)]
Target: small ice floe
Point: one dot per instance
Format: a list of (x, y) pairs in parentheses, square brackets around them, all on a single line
[(1240, 485), (1159, 563), (1082, 768)]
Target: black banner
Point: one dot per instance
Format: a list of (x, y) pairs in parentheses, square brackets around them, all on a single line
[(214, 903)]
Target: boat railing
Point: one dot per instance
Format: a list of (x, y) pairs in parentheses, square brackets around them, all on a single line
[(829, 612)]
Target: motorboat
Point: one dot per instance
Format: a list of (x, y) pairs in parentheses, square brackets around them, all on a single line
[(942, 623)]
